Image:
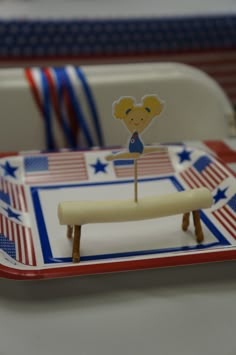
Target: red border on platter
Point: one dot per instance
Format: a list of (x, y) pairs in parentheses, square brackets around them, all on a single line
[(132, 265)]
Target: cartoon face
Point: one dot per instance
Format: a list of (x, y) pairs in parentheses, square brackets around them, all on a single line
[(137, 120), (137, 117)]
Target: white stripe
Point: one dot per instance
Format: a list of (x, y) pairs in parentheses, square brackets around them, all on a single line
[(17, 205), (21, 244), (21, 198), (14, 237), (79, 92), (5, 187), (11, 230), (1, 223), (10, 191), (28, 246), (4, 227), (10, 237), (36, 73)]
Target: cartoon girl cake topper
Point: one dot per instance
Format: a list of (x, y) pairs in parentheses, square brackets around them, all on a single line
[(136, 117)]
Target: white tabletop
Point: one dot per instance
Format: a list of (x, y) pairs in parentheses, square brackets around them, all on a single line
[(185, 310)]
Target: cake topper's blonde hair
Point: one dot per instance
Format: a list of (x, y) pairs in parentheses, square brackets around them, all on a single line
[(150, 105)]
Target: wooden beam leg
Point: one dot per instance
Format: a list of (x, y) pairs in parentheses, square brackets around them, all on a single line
[(185, 221), (76, 244), (198, 228), (69, 232)]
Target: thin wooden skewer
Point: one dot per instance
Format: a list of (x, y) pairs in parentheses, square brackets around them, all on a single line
[(135, 180)]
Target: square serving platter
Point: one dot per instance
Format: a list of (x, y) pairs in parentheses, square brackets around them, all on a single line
[(33, 245)]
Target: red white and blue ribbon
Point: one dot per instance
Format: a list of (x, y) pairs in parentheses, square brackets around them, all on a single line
[(66, 103)]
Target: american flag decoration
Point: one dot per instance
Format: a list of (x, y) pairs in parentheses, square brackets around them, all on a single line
[(13, 194), (16, 240), (55, 167), (204, 172), (15, 235), (226, 216), (157, 163)]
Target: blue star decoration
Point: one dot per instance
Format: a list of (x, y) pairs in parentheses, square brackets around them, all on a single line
[(9, 170), (184, 156), (99, 167), (220, 195), (12, 214)]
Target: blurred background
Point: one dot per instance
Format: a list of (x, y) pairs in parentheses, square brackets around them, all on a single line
[(58, 33)]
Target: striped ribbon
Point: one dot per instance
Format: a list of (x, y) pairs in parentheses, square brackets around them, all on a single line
[(66, 104)]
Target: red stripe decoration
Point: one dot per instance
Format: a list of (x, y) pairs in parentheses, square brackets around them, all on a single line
[(157, 163), (34, 89), (55, 167), (22, 238), (74, 127), (223, 151), (16, 194), (53, 94)]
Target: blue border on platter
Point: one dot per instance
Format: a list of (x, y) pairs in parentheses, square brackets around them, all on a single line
[(44, 239)]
